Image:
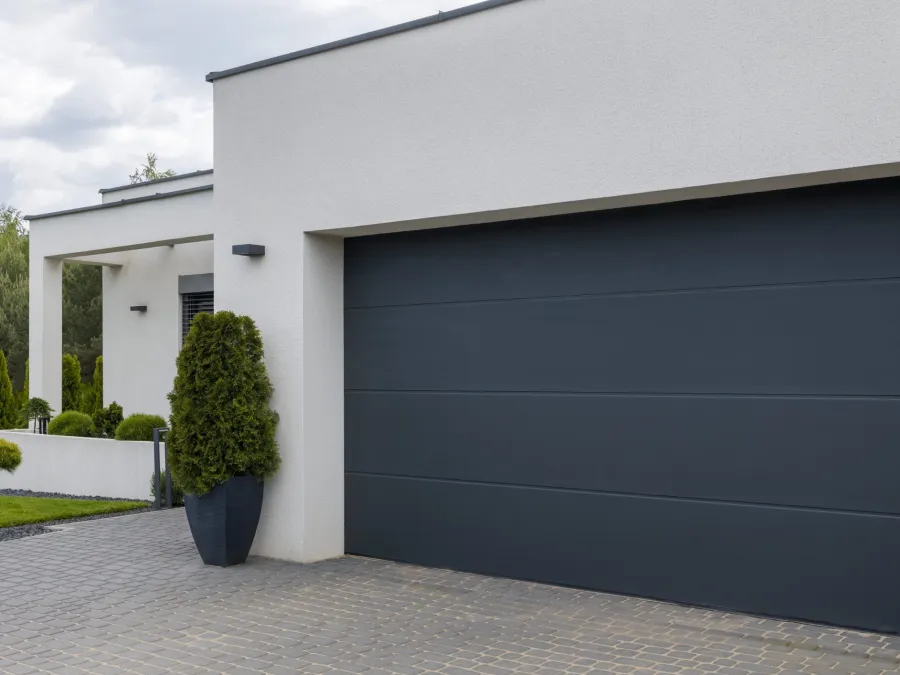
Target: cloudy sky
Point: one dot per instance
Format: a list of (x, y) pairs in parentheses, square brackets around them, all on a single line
[(88, 87)]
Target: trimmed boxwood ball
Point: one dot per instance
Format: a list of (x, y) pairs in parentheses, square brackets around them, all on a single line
[(72, 423), (138, 427), (221, 425), (10, 456)]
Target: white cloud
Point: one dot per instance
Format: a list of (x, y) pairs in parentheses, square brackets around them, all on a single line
[(90, 86)]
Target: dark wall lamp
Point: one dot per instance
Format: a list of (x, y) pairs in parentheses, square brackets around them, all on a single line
[(249, 250), (139, 308)]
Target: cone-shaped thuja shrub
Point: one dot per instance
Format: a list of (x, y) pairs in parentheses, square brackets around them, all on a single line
[(97, 384), (71, 382), (221, 425), (9, 413), (23, 398)]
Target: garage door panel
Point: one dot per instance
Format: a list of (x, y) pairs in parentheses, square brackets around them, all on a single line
[(799, 452), (817, 339), (787, 562), (830, 233), (697, 402)]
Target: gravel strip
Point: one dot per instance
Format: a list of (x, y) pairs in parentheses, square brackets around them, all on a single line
[(21, 531)]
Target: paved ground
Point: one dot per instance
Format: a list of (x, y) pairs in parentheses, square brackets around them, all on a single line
[(129, 595)]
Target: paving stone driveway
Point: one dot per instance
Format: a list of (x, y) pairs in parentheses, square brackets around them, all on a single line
[(129, 595)]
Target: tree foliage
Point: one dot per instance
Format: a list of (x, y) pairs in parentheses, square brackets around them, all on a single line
[(148, 171), (9, 411), (82, 301), (36, 408), (13, 291), (71, 383), (221, 425), (83, 313)]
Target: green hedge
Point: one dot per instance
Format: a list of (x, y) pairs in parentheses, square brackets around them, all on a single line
[(138, 427), (72, 423), (10, 456)]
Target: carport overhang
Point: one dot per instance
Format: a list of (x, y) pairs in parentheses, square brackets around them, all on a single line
[(95, 235)]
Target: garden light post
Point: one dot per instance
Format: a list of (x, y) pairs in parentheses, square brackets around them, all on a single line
[(157, 433)]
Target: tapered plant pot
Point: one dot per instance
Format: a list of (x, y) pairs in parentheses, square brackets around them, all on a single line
[(224, 520)]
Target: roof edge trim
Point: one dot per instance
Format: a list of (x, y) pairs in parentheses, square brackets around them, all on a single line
[(122, 202), (192, 174), (440, 17)]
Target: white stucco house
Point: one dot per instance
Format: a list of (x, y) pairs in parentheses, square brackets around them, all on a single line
[(595, 293)]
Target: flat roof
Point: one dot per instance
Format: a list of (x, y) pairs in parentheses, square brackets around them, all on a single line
[(122, 202), (204, 172), (440, 17)]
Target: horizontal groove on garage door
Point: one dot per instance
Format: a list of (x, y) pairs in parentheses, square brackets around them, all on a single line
[(624, 394), (633, 495), (666, 291)]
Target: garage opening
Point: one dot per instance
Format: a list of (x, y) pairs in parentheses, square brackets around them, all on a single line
[(697, 402)]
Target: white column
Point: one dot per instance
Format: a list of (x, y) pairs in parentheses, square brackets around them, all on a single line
[(295, 295), (45, 328), (322, 471)]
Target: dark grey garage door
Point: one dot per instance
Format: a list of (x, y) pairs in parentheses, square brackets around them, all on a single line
[(697, 402)]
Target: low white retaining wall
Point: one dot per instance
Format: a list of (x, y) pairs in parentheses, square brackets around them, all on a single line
[(81, 466)]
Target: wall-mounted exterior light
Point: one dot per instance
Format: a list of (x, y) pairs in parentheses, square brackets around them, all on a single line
[(139, 308), (250, 250)]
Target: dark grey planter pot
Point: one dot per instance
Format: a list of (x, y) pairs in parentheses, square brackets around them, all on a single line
[(223, 521)]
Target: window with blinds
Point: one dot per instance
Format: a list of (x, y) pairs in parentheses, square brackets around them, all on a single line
[(193, 304)]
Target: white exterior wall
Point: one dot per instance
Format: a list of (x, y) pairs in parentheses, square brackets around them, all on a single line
[(145, 189), (88, 467), (560, 101), (536, 107), (139, 349)]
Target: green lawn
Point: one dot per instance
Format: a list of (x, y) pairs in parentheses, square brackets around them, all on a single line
[(24, 510)]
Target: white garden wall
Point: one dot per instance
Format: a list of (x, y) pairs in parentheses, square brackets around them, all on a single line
[(81, 466)]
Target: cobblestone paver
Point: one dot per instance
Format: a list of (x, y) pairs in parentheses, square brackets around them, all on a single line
[(129, 595)]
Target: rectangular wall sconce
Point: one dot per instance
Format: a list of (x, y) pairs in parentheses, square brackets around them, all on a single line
[(139, 308), (250, 250)]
